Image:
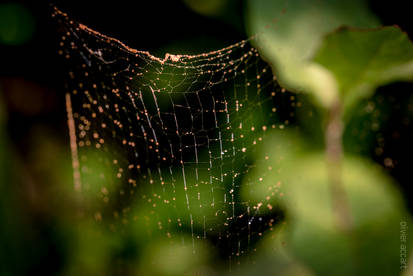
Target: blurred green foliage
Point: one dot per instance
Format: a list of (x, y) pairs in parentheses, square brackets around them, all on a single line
[(354, 62), (291, 31), (362, 60), (16, 24), (299, 174)]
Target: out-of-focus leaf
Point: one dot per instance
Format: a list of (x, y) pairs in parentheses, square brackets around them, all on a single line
[(290, 31), (298, 181), (91, 250), (207, 8), (166, 257), (376, 211), (17, 24), (362, 60), (274, 257)]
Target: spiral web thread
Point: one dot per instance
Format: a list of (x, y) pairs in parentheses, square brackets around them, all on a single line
[(174, 137)]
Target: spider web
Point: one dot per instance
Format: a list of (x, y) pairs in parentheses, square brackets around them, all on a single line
[(173, 137)]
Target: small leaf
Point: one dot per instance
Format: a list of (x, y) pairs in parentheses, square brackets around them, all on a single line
[(362, 60)]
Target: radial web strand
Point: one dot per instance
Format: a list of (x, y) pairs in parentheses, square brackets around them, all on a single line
[(167, 143)]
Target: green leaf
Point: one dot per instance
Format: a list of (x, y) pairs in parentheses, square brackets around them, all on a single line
[(169, 258), (298, 182), (273, 257), (362, 60), (290, 31)]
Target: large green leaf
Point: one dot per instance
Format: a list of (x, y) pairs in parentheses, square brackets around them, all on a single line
[(290, 31), (362, 60), (296, 178)]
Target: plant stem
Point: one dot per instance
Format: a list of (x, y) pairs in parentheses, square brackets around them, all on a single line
[(334, 150)]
